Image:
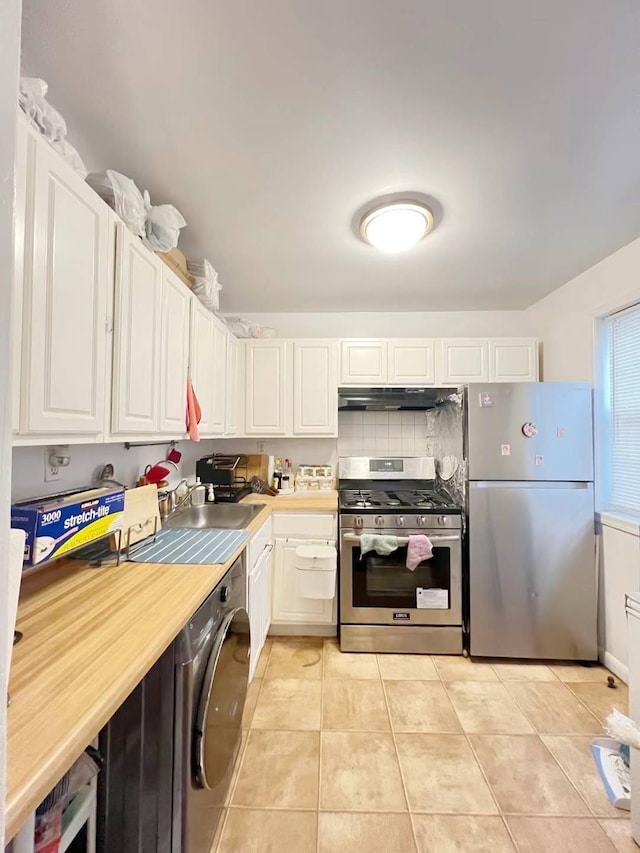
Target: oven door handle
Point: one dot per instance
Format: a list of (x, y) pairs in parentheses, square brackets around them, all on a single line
[(404, 540)]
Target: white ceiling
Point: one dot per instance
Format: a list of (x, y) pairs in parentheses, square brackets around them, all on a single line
[(269, 123)]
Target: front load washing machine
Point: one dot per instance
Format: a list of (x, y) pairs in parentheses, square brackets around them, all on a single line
[(212, 676), (171, 748)]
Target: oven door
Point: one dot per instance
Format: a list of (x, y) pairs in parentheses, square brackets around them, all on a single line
[(381, 590)]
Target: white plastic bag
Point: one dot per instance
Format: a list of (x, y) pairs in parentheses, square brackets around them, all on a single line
[(206, 287), (46, 118), (243, 328), (623, 728), (162, 226), (123, 196), (48, 121)]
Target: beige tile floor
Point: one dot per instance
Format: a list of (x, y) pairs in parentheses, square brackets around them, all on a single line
[(346, 753)]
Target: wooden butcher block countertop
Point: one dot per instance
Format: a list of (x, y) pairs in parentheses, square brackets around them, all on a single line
[(300, 501), (90, 635)]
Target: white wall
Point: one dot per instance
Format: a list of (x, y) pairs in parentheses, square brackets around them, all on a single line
[(301, 451), (384, 434), (566, 321), (9, 62), (432, 324), (28, 465)]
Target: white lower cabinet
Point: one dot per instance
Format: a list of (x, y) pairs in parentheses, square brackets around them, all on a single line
[(259, 562), (292, 529), (259, 591), (288, 605)]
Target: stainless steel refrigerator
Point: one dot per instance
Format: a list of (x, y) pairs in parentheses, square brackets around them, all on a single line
[(531, 531)]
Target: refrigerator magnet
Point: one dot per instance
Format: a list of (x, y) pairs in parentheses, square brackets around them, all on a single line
[(505, 449), (539, 460)]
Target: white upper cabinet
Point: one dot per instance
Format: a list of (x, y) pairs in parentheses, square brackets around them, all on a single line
[(233, 385), (67, 264), (412, 362), (315, 387), (201, 362), (219, 415), (25, 152), (513, 360), (174, 346), (363, 362), (208, 367), (464, 360), (137, 332), (266, 387)]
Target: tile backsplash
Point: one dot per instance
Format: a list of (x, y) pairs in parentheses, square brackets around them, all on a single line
[(385, 434)]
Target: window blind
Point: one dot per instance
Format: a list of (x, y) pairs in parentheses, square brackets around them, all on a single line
[(624, 399)]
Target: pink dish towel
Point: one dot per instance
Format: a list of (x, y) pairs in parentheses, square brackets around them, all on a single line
[(194, 413), (418, 549)]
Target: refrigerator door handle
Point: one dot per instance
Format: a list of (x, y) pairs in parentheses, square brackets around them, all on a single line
[(529, 484)]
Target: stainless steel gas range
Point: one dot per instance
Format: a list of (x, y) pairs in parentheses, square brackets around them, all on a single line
[(385, 606)]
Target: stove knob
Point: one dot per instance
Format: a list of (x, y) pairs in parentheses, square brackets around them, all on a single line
[(379, 521), (358, 521), (442, 520), (421, 521), (399, 521)]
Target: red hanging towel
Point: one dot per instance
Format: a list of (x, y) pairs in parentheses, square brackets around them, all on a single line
[(194, 413)]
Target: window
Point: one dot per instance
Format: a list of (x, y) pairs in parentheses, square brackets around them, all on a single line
[(623, 399)]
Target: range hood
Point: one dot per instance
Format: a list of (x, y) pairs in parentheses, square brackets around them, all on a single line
[(390, 399)]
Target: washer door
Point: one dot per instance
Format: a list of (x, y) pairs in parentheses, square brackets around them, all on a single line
[(224, 690)]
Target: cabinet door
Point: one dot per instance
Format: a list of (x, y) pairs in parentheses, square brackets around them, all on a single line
[(174, 346), (363, 362), (65, 301), (25, 152), (315, 388), (137, 331), (412, 362), (266, 393), (233, 379), (513, 360), (464, 360), (201, 363), (259, 588), (288, 606), (218, 419)]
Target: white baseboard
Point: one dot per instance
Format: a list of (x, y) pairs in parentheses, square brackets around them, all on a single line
[(617, 667), (285, 629)]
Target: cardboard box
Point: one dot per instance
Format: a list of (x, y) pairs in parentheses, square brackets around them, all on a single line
[(177, 262), (54, 526)]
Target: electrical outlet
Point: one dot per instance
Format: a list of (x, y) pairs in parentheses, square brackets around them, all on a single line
[(52, 473), (261, 446)]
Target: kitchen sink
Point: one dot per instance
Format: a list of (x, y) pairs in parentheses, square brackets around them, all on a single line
[(231, 516)]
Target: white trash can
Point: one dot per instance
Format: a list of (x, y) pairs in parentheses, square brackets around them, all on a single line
[(316, 569)]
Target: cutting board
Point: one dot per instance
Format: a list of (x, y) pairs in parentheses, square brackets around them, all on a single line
[(140, 514)]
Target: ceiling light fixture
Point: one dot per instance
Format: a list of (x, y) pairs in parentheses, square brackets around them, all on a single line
[(397, 225)]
